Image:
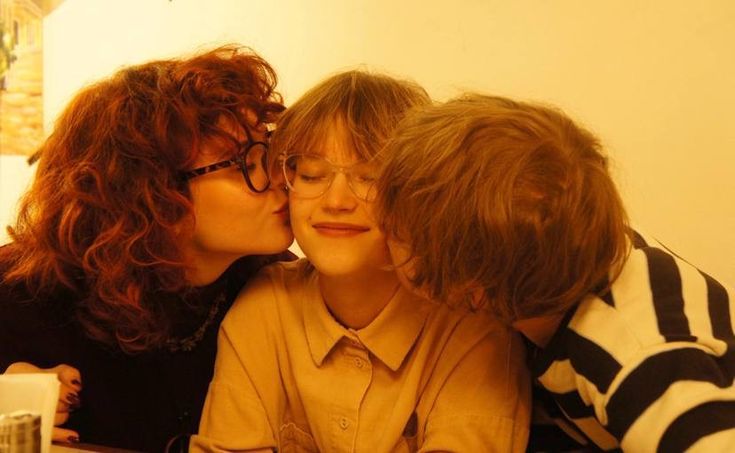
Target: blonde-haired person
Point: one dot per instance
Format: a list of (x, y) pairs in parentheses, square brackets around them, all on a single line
[(513, 201), (331, 353)]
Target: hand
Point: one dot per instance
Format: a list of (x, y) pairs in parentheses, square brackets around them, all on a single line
[(71, 385)]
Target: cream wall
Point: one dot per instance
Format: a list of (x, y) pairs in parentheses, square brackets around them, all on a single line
[(655, 80), (15, 175)]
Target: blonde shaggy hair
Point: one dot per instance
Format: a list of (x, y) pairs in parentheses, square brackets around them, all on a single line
[(366, 105), (508, 196)]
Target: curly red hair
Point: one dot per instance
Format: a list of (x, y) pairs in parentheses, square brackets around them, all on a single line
[(106, 212)]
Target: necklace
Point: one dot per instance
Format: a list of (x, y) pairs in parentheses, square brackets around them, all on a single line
[(186, 344)]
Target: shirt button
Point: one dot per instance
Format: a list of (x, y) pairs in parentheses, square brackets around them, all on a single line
[(344, 423), (359, 363)]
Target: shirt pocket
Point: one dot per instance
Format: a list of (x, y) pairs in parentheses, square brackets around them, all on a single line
[(292, 439)]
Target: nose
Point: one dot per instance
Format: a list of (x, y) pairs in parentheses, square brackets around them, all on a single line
[(339, 196)]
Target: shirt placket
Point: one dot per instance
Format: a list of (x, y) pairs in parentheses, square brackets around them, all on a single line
[(355, 366)]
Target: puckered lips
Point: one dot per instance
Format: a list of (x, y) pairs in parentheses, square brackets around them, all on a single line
[(282, 212)]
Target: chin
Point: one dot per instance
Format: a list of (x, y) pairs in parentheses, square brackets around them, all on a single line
[(331, 266), (278, 246), (342, 266)]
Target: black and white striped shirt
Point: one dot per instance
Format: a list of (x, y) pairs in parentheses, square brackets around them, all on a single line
[(650, 365)]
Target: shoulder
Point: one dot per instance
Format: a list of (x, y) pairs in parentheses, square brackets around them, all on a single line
[(472, 340), (242, 270), (20, 296), (465, 328), (482, 366), (33, 327), (270, 290), (658, 297), (480, 338), (16, 300), (656, 267)]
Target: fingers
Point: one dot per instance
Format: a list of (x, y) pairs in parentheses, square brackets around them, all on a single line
[(22, 367), (60, 418), (68, 399), (68, 375), (64, 435), (70, 385)]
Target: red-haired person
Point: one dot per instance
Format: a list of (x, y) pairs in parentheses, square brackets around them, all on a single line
[(513, 203), (152, 205)]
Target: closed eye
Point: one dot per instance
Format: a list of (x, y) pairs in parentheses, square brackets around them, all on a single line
[(365, 178), (310, 178)]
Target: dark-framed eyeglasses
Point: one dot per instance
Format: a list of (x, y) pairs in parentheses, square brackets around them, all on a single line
[(311, 175), (252, 160)]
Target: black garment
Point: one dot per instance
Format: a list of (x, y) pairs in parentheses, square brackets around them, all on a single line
[(136, 402)]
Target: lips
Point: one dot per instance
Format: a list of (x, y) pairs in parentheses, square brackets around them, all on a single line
[(283, 215), (339, 229)]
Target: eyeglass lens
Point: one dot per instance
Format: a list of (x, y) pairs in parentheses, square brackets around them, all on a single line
[(254, 166), (310, 176)]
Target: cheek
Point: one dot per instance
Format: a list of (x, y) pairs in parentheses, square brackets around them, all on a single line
[(400, 254), (299, 213), (369, 208), (405, 266), (224, 203)]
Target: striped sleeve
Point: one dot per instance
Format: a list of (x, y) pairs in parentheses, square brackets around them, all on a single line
[(650, 366), (669, 390), (681, 395)]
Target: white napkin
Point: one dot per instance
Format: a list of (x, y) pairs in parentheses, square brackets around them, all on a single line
[(36, 393)]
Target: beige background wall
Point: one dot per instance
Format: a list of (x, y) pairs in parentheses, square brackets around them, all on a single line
[(655, 80)]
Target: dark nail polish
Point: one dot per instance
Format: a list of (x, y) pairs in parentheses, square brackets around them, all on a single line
[(73, 439), (72, 399)]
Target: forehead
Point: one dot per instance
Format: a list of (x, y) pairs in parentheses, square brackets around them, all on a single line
[(336, 146), (339, 145), (225, 141), (239, 130)]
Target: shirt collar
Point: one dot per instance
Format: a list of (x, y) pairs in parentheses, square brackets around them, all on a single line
[(389, 337)]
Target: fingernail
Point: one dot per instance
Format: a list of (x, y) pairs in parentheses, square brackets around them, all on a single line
[(73, 439), (76, 382), (72, 398)]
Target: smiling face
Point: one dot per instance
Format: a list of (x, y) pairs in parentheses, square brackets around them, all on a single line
[(337, 230), (231, 220)]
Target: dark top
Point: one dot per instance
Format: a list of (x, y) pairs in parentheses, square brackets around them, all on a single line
[(136, 402)]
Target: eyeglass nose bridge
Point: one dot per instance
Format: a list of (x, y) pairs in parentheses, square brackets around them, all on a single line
[(345, 170)]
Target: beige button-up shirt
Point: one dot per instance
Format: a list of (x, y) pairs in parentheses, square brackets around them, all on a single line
[(420, 377)]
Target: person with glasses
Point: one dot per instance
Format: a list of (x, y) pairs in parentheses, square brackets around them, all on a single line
[(330, 353), (154, 201)]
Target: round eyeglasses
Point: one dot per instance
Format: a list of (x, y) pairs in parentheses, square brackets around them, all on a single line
[(252, 160), (311, 175)]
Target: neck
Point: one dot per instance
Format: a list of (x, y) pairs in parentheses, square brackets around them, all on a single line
[(355, 301), (539, 330), (204, 270)]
